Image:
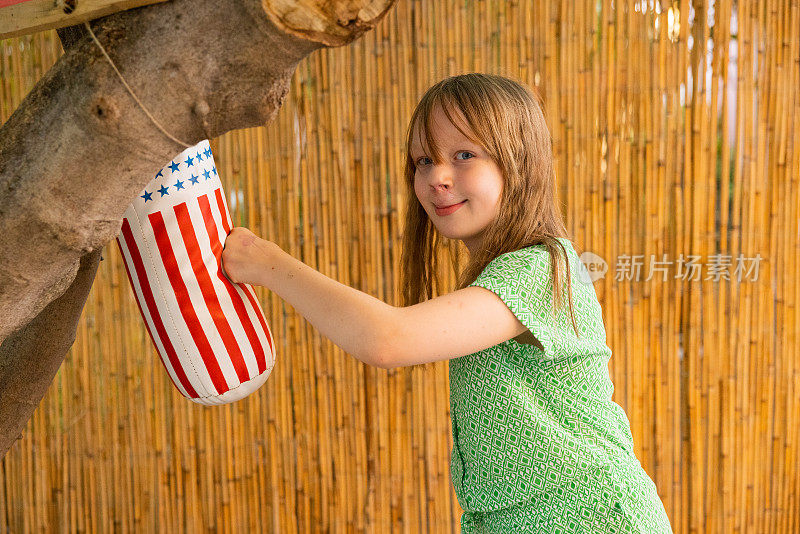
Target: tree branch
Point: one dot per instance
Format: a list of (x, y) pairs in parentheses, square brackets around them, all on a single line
[(79, 149)]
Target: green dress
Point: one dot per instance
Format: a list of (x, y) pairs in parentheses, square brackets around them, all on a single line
[(538, 444)]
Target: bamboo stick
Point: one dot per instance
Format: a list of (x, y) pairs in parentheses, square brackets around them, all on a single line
[(706, 370)]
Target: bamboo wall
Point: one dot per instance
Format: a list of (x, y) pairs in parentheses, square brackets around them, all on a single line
[(674, 132)]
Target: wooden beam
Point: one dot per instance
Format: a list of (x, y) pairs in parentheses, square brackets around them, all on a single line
[(18, 17)]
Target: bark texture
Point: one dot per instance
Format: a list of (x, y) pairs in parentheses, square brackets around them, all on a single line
[(30, 357), (78, 149)]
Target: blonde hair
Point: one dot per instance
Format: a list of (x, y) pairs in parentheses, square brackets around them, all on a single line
[(507, 121)]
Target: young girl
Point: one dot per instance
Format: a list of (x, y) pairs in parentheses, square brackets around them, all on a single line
[(538, 444)]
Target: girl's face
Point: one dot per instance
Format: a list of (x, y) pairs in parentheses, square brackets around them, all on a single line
[(468, 182)]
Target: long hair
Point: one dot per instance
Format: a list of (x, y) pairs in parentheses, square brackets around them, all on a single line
[(506, 119)]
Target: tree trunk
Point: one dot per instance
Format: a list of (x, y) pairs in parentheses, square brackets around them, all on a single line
[(79, 149)]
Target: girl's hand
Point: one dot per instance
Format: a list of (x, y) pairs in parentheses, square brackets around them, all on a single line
[(243, 256)]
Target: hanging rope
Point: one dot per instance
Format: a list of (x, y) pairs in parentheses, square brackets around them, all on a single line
[(128, 87)]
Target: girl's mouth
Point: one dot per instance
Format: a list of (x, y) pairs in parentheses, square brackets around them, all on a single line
[(448, 210)]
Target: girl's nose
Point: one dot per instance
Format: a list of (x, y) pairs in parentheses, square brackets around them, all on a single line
[(440, 178)]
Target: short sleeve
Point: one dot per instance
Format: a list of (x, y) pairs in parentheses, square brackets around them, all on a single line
[(523, 280)]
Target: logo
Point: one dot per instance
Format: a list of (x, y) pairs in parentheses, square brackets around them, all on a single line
[(592, 267)]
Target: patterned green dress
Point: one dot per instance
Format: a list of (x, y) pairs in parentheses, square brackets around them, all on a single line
[(538, 444)]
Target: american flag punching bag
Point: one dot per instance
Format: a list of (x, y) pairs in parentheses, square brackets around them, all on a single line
[(210, 333)]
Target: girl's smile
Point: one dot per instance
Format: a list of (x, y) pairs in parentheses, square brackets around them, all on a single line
[(448, 209), (460, 193)]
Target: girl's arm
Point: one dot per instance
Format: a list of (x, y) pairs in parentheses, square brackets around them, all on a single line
[(352, 319), (376, 333)]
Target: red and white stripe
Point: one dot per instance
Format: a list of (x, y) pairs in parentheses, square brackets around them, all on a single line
[(210, 333)]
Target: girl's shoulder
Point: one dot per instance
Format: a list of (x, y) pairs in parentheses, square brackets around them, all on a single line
[(540, 250), (528, 259)]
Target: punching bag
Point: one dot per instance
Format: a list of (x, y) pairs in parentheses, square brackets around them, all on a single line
[(210, 333)]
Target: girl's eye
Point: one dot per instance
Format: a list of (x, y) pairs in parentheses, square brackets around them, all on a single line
[(424, 160)]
